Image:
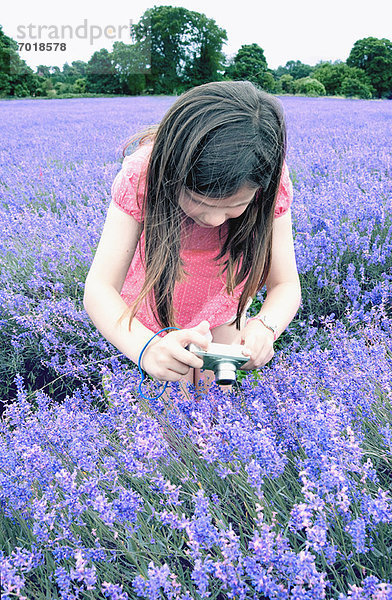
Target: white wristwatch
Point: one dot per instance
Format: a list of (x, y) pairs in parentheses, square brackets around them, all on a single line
[(264, 320)]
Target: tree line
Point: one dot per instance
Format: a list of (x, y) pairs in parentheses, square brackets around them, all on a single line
[(173, 49)]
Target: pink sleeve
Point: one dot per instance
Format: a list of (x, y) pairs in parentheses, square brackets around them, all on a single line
[(125, 185), (285, 193)]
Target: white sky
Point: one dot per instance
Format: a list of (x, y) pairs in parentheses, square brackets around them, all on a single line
[(304, 30)]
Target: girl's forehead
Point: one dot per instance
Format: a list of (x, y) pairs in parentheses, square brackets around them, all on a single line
[(243, 196)]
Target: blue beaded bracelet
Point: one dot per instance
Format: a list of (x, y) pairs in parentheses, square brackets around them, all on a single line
[(140, 368)]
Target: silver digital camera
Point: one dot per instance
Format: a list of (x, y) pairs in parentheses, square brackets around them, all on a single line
[(223, 359)]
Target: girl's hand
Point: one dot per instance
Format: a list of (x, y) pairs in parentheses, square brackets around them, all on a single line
[(258, 345), (168, 360)]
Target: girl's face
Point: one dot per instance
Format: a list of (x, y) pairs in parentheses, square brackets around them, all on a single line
[(212, 212)]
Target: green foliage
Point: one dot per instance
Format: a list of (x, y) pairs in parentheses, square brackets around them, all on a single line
[(5, 85), (21, 91), (19, 80), (131, 62), (295, 68), (249, 64), (16, 78), (47, 84), (77, 70), (46, 88), (205, 62), (309, 87), (185, 48), (354, 88), (269, 83), (285, 84), (43, 71), (79, 87), (101, 74), (174, 49), (374, 56), (65, 88), (332, 76)]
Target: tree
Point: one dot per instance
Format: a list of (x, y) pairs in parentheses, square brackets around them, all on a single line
[(43, 71), (285, 84), (52, 73), (205, 62), (332, 76), (309, 87), (79, 87), (352, 87), (70, 73), (183, 44), (269, 83), (249, 64), (79, 67), (56, 74), (295, 68), (101, 76), (131, 65), (16, 78), (374, 56), (63, 88)]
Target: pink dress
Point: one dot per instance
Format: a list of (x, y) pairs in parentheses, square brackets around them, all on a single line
[(202, 295)]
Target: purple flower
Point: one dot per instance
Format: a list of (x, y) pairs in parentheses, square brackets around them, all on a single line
[(89, 468), (158, 577), (113, 591), (357, 530)]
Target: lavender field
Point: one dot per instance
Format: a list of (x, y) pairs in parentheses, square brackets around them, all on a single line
[(279, 490)]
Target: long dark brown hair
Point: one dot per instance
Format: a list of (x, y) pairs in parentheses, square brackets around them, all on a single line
[(215, 139)]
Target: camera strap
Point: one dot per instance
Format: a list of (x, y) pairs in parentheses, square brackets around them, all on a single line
[(143, 375)]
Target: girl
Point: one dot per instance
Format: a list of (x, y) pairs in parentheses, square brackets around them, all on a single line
[(199, 221)]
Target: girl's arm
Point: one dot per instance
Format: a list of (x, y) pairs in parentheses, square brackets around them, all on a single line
[(103, 303), (283, 295), (283, 286), (102, 300)]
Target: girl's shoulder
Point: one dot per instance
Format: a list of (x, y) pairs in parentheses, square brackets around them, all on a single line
[(127, 190), (284, 198), (138, 159)]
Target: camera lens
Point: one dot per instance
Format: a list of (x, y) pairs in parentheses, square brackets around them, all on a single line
[(225, 373)]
